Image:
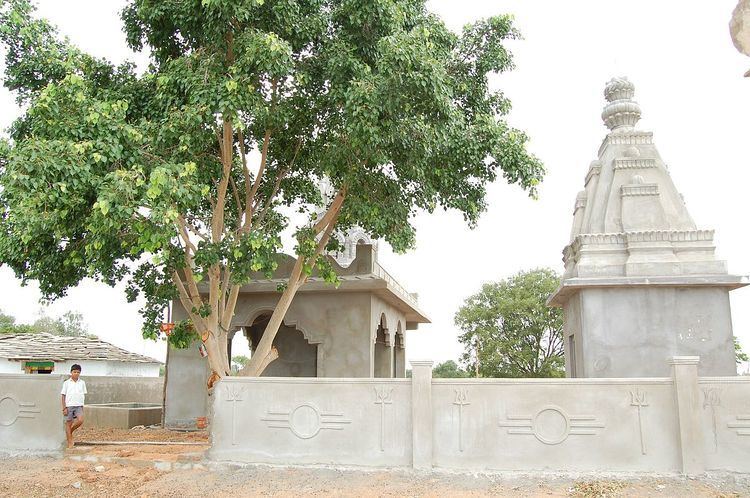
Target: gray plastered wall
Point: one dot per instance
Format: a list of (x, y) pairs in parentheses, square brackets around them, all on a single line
[(31, 420)]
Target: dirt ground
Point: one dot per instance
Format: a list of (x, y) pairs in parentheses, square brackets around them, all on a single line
[(86, 433), (66, 478), (128, 470)]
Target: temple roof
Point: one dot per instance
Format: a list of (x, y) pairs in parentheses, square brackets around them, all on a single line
[(630, 222)]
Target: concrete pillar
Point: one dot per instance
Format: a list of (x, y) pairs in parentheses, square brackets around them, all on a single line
[(421, 413), (687, 398)]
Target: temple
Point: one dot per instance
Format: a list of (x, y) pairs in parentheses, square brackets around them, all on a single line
[(355, 330), (641, 281)]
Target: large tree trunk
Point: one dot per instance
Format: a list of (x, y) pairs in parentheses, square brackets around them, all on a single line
[(265, 353)]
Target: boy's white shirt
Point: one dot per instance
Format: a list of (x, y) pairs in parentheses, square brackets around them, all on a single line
[(74, 392)]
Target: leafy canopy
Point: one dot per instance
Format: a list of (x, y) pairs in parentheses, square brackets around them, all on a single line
[(114, 175), (510, 331)]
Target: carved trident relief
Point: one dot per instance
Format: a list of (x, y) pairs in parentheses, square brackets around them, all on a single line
[(711, 398), (638, 400), (461, 401), (234, 396), (382, 398)]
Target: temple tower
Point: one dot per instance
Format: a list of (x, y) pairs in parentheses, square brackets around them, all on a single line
[(641, 281)]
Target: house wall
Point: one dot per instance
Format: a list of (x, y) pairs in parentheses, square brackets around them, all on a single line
[(680, 423), (91, 367)]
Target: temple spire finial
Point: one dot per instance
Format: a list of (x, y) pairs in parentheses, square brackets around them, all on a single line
[(621, 111)]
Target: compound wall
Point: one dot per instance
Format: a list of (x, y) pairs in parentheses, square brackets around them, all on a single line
[(675, 424)]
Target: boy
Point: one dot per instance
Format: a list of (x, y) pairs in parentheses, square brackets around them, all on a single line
[(73, 392)]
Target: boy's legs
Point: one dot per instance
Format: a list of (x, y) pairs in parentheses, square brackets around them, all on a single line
[(78, 422), (74, 412), (69, 433)]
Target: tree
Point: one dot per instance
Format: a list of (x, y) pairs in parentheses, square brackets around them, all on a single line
[(8, 325), (739, 354), (449, 370), (172, 180), (239, 361), (509, 331), (69, 324)]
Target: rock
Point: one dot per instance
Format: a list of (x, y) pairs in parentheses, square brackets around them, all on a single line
[(77, 484), (99, 468)]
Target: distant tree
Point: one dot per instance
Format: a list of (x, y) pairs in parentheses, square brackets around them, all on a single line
[(449, 370), (239, 362), (739, 354), (509, 331), (8, 325), (69, 324)]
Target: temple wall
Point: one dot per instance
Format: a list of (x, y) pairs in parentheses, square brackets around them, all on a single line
[(339, 325), (680, 423), (630, 332)]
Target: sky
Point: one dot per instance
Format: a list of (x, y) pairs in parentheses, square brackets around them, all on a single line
[(689, 84)]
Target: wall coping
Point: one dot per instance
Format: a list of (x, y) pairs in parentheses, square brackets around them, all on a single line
[(684, 360), (667, 381), (313, 380)]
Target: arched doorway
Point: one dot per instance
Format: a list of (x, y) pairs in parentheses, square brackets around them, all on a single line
[(297, 357), (382, 357), (399, 353)]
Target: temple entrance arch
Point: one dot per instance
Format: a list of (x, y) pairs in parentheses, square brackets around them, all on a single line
[(297, 357), (399, 353), (382, 355)]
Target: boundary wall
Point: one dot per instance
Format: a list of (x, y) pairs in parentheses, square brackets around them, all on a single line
[(111, 389), (31, 419), (680, 423)]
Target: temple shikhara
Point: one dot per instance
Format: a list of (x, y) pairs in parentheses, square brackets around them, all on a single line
[(641, 281)]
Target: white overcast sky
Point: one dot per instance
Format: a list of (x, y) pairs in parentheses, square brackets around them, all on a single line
[(689, 82)]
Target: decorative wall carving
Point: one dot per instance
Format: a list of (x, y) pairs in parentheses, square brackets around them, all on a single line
[(742, 425), (712, 399), (305, 421), (11, 409), (638, 400), (551, 425), (383, 396), (634, 163), (462, 399), (234, 396), (640, 189)]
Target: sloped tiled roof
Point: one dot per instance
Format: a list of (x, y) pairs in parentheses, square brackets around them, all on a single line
[(48, 347)]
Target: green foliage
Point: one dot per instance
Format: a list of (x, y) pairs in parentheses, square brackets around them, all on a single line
[(510, 331), (107, 169), (449, 370), (239, 362), (183, 335), (8, 325), (739, 354), (69, 324)]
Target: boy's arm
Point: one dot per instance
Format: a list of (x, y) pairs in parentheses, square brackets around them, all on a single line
[(64, 408)]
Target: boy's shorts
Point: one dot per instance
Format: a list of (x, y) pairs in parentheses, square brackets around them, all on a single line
[(74, 412)]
